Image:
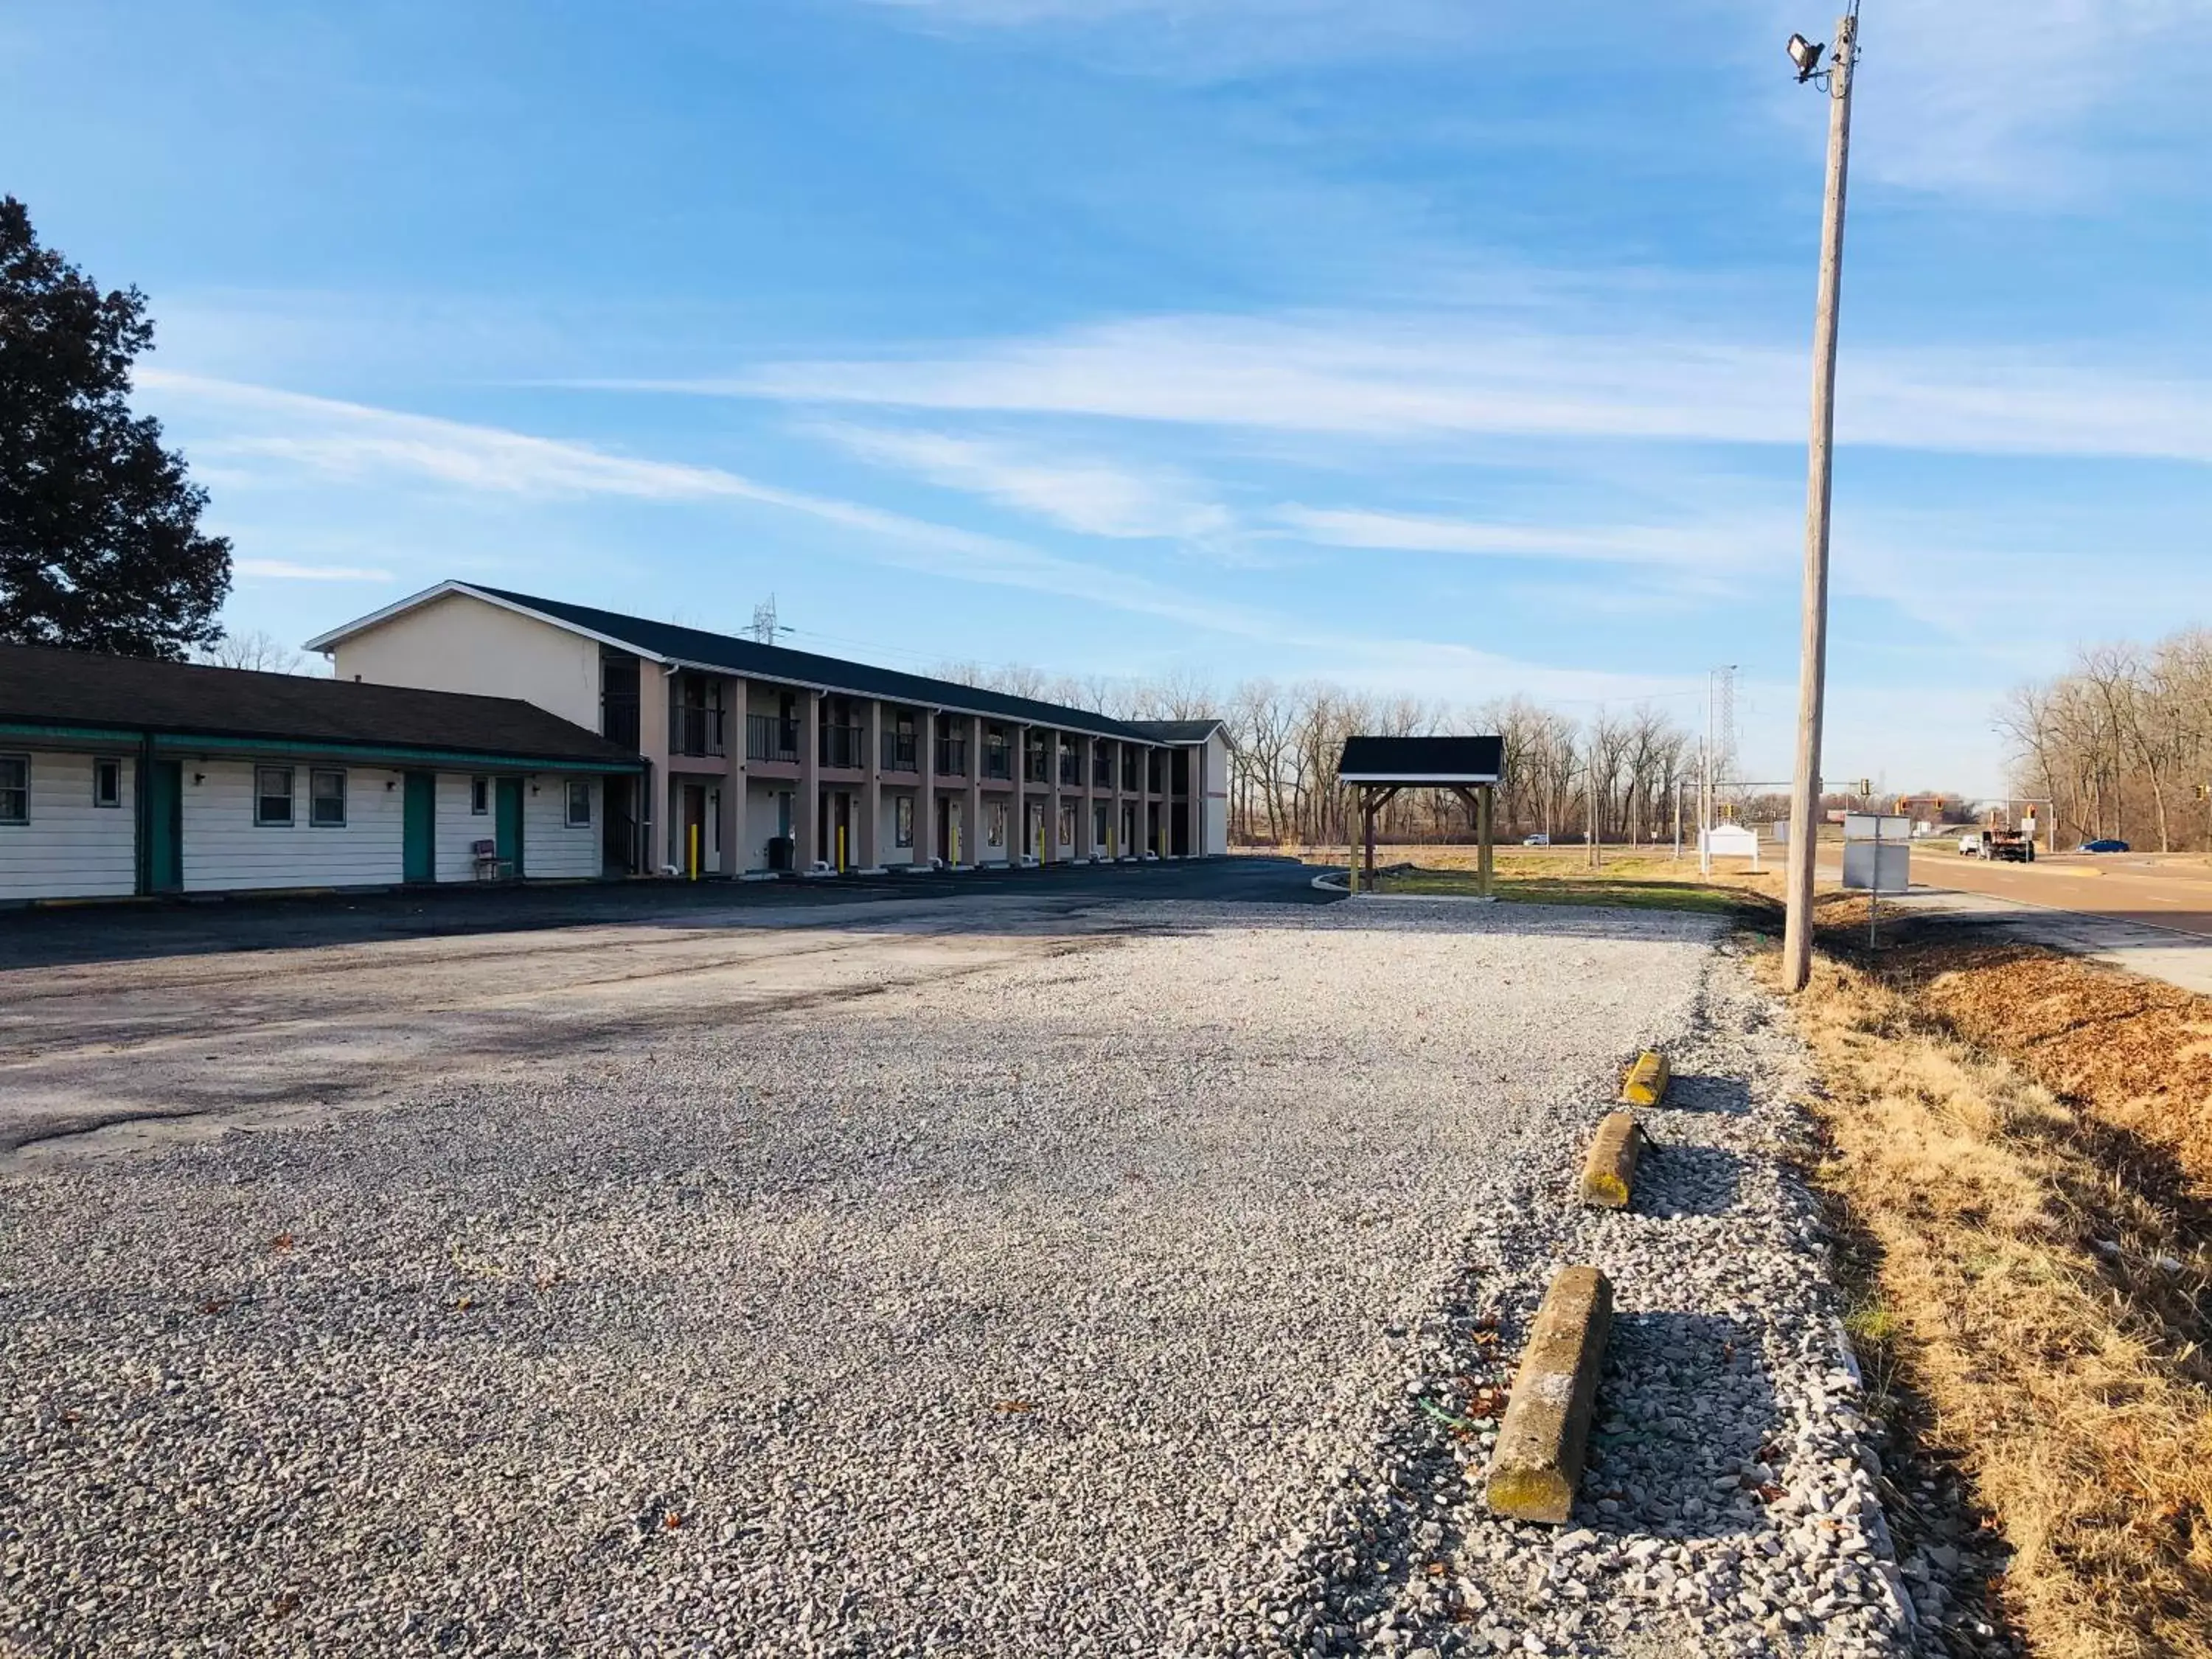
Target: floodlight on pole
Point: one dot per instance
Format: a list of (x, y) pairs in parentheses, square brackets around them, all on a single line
[(1806, 54), (1813, 666)]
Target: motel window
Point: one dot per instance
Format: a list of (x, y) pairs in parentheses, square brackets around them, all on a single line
[(14, 788), (580, 804), (106, 781), (902, 822), (479, 796), (272, 795), (994, 823), (326, 799), (1066, 826)]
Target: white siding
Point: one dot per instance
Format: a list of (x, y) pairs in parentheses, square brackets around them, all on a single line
[(1214, 843), (224, 849), (550, 848), (457, 829), (70, 848)]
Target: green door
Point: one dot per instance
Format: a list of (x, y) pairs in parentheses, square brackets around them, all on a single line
[(165, 827), (418, 858), (507, 826)]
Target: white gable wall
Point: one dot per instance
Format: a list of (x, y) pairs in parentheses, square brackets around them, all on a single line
[(70, 848), (457, 643)]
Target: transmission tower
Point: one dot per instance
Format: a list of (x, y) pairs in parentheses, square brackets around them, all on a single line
[(1724, 723), (765, 627)]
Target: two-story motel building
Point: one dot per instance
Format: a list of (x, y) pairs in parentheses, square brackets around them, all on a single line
[(758, 757)]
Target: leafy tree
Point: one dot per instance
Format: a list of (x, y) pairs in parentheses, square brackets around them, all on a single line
[(100, 546)]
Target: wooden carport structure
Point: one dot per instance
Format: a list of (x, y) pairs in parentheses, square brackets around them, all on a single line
[(1379, 767)]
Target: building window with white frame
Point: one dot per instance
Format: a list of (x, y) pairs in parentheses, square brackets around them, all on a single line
[(580, 804), (479, 797), (903, 821), (272, 797), (106, 780), (14, 788), (326, 791)]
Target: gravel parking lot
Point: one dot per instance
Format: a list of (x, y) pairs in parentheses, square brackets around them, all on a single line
[(1121, 1281)]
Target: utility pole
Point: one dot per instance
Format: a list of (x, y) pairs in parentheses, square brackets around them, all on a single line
[(1812, 663)]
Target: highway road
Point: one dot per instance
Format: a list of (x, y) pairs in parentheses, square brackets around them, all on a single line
[(2150, 915)]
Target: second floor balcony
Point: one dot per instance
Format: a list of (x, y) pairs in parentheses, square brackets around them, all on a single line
[(1101, 767), (998, 758), (770, 737), (953, 757), (695, 732), (902, 751), (844, 746), (1071, 768), (1036, 767)]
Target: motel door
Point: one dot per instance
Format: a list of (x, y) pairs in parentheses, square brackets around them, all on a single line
[(418, 858), (694, 838), (165, 826)]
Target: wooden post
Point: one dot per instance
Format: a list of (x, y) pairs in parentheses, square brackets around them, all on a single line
[(1485, 826)]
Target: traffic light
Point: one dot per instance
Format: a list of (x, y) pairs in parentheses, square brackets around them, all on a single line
[(1866, 786)]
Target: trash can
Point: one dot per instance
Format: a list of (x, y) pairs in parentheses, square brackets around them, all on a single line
[(779, 848)]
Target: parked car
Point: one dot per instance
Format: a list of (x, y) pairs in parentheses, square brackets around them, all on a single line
[(2107, 845), (1969, 847), (1536, 841)]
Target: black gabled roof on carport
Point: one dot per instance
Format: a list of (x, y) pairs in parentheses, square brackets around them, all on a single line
[(1415, 761)]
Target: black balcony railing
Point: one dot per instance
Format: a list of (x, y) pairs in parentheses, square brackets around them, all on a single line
[(618, 719), (1101, 767), (770, 737), (1071, 767), (1036, 767), (843, 745), (1129, 770), (695, 732), (953, 757), (902, 751), (998, 758)]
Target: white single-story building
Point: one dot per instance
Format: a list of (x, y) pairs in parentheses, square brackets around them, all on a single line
[(122, 776)]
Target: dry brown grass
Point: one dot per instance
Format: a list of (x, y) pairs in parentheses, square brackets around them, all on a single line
[(2045, 1308)]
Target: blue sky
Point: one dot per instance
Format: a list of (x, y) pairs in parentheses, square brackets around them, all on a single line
[(1428, 346)]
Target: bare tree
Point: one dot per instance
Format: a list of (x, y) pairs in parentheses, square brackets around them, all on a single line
[(259, 650)]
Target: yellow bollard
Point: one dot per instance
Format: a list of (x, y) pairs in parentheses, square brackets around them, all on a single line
[(840, 849), (695, 851)]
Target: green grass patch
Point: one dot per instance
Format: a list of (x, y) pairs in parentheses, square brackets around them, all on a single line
[(1595, 889)]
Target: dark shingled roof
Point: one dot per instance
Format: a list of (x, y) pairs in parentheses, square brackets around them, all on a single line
[(1176, 730), (1422, 760), (735, 655), (40, 685)]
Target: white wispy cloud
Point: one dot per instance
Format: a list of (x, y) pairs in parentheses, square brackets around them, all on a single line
[(1089, 495), (1719, 544), (287, 570), (2020, 97), (1397, 377), (357, 443)]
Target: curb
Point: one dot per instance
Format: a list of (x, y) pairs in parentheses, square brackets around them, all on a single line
[(1610, 1169), (1545, 1434), (1645, 1084)]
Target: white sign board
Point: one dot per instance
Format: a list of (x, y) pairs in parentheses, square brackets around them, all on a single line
[(1726, 840), (1877, 853)]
